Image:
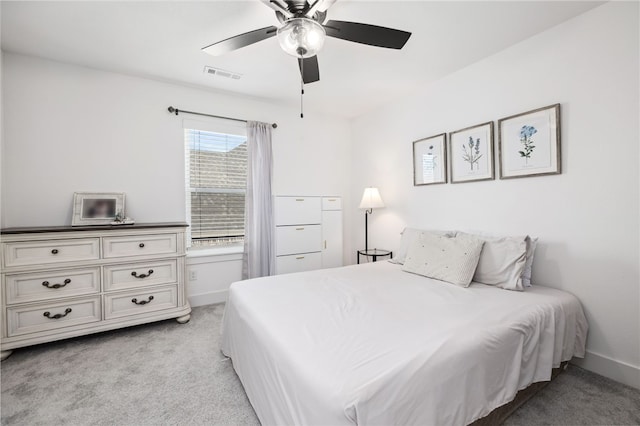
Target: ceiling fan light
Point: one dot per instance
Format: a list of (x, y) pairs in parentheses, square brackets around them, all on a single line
[(301, 37)]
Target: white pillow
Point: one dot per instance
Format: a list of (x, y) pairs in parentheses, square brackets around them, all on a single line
[(532, 243), (502, 262), (408, 237), (450, 259)]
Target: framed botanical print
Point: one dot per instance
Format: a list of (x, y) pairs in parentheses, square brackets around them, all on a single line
[(471, 153), (529, 143), (430, 160)]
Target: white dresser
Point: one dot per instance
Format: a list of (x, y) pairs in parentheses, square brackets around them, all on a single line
[(308, 233), (60, 282)]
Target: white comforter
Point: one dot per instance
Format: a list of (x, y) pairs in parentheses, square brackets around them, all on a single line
[(371, 344)]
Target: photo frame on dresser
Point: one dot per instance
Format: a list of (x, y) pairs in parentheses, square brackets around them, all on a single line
[(471, 154), (430, 160), (97, 208), (529, 143)]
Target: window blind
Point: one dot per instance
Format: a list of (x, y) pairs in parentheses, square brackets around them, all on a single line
[(216, 178)]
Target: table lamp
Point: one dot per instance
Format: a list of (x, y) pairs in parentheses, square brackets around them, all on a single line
[(370, 200)]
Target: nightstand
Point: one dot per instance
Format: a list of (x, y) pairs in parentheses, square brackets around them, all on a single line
[(374, 253)]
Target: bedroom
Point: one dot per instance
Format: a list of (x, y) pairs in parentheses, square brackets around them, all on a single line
[(98, 121)]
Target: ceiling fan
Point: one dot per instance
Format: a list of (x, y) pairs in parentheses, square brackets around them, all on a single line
[(303, 32)]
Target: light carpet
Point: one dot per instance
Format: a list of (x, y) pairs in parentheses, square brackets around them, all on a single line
[(171, 374)]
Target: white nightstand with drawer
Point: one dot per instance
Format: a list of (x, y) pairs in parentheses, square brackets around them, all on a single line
[(61, 282)]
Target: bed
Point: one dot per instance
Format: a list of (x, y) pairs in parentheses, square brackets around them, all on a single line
[(372, 344)]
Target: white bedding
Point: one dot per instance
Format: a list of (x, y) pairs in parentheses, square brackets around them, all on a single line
[(371, 344)]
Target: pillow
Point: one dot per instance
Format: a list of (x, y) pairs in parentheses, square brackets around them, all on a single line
[(408, 236), (450, 259), (502, 262), (532, 243)]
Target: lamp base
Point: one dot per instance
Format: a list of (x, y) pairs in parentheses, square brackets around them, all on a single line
[(366, 228)]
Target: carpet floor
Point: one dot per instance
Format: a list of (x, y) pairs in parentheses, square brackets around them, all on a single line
[(166, 373)]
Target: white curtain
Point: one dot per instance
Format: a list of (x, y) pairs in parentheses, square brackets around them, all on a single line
[(259, 238)]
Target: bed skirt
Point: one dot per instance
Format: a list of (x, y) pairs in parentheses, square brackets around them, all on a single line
[(500, 414)]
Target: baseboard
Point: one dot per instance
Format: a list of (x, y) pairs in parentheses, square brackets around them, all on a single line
[(611, 368), (210, 298)]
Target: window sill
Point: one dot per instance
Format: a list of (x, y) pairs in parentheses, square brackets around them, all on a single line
[(215, 251)]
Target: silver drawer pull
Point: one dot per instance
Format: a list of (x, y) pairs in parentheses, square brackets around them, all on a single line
[(300, 257), (299, 229), (46, 284), (299, 199), (57, 316), (135, 274), (331, 199), (142, 302)]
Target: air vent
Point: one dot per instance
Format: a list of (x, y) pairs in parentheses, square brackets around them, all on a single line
[(222, 73)]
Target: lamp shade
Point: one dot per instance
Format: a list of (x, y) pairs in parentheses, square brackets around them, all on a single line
[(371, 199)]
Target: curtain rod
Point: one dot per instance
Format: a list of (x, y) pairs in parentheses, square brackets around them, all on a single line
[(176, 111)]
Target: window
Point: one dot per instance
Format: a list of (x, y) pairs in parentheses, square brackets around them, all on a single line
[(216, 178)]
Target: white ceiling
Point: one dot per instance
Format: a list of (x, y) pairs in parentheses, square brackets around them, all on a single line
[(163, 40)]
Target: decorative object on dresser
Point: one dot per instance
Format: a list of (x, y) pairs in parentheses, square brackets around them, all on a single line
[(308, 233), (61, 282), (471, 153), (529, 143), (430, 160), (370, 200), (121, 219), (97, 208)]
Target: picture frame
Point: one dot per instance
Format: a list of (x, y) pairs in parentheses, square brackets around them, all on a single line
[(529, 143), (471, 154), (430, 160), (97, 208)]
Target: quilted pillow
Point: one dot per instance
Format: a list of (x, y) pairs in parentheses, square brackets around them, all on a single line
[(408, 237), (450, 259), (502, 262)]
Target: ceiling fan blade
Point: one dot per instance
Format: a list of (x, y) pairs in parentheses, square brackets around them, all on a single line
[(326, 4), (242, 40), (367, 34), (319, 6), (309, 69), (279, 6)]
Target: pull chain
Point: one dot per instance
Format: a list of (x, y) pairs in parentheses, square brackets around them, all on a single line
[(301, 87)]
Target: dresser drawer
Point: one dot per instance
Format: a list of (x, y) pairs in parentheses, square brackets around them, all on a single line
[(50, 316), (121, 277), (140, 301), (297, 210), (298, 239), (51, 251), (143, 245), (298, 263), (33, 287), (331, 203)]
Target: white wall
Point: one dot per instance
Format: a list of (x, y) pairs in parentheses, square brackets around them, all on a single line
[(586, 218), (69, 128), (210, 275)]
